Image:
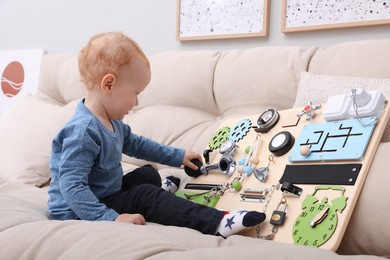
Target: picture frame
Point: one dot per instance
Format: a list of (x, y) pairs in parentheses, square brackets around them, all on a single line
[(221, 19), (310, 15)]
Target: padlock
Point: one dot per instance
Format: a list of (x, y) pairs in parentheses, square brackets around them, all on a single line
[(279, 216)]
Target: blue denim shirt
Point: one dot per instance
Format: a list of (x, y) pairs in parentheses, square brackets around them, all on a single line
[(85, 165)]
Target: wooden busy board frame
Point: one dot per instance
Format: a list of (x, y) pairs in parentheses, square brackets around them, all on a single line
[(289, 122)]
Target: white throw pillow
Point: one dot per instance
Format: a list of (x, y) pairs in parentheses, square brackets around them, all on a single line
[(317, 88), (26, 133)]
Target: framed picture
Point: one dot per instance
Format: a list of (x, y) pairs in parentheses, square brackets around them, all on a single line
[(20, 70), (221, 19), (309, 15)]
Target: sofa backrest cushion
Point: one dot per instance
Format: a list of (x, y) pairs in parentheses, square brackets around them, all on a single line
[(60, 78), (261, 78), (368, 58), (182, 79)]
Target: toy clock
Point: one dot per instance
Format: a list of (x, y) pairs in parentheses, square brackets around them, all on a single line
[(318, 219)]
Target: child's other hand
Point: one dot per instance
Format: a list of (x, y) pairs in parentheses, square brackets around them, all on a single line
[(188, 156), (136, 219)]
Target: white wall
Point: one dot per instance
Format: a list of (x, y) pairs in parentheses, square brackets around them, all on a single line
[(64, 26)]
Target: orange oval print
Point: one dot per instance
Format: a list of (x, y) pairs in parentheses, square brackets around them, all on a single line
[(12, 79)]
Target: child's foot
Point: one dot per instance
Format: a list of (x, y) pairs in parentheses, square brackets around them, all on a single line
[(235, 221), (170, 184)]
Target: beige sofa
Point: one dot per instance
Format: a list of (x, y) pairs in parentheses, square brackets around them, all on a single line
[(190, 95)]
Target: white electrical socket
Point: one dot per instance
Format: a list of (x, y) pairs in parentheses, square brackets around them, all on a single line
[(340, 107)]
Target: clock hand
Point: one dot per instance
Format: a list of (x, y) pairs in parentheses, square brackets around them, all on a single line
[(319, 218)]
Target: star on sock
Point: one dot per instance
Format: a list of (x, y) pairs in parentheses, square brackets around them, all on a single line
[(170, 184), (229, 222), (235, 221)]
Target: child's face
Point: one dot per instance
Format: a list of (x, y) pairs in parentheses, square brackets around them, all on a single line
[(131, 81)]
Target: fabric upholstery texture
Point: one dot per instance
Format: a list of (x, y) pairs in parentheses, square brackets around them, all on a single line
[(26, 132), (60, 79), (367, 59), (250, 81)]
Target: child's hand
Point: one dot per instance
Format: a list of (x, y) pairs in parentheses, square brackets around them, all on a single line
[(137, 219), (188, 156)]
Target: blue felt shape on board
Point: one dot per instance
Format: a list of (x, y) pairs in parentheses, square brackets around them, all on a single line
[(333, 141)]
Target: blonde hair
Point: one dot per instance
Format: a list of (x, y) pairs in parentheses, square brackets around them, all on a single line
[(105, 53)]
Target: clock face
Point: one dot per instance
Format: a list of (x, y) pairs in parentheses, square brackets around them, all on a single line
[(318, 220), (306, 232)]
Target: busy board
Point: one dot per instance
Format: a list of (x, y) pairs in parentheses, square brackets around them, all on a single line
[(305, 173)]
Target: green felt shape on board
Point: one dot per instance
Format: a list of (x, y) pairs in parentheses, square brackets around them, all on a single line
[(198, 199)]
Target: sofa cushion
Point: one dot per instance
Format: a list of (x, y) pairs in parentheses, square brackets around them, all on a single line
[(60, 78), (249, 81), (26, 132), (182, 79), (356, 59), (317, 88), (21, 203)]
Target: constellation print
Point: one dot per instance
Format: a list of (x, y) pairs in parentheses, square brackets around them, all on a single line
[(322, 12), (205, 17)]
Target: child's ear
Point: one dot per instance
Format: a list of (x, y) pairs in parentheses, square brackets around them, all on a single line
[(107, 83)]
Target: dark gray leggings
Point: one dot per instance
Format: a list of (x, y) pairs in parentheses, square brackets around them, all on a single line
[(141, 193)]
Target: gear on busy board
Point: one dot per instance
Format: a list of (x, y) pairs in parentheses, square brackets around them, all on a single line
[(219, 137), (240, 130)]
